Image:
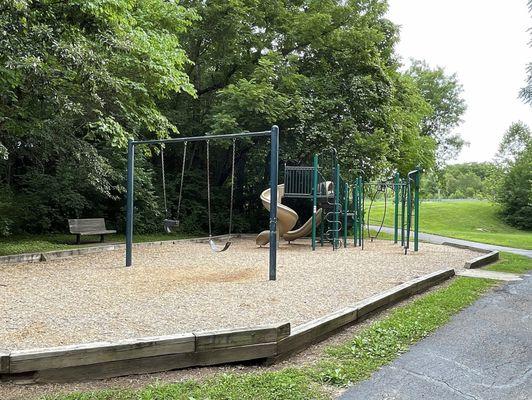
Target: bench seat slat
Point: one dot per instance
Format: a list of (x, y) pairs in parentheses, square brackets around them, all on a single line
[(88, 226), (107, 231)]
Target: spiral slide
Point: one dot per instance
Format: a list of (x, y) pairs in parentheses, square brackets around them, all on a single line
[(286, 220)]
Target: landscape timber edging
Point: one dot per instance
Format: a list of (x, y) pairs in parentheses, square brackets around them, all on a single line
[(55, 254), (482, 260), (489, 256), (466, 247), (157, 354), (321, 328)]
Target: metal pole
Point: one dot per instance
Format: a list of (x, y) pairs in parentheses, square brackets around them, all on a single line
[(315, 200), (416, 208), (396, 208), (362, 211), (274, 161), (355, 212), (129, 201), (204, 138), (322, 230), (403, 194), (336, 205), (408, 212), (346, 207)]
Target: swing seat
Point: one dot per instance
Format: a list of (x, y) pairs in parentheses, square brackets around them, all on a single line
[(216, 249), (170, 224)]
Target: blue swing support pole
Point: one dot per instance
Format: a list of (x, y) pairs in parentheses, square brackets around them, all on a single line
[(274, 177)]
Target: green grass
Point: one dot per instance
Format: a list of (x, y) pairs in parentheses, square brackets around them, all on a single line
[(18, 244), (511, 263), (289, 384), (470, 220), (340, 365)]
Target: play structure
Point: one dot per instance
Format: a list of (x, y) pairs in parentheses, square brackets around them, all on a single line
[(336, 204)]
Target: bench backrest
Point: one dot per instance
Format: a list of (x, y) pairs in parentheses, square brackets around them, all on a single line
[(86, 225)]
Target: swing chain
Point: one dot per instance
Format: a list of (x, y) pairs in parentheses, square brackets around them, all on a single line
[(232, 188), (209, 189), (182, 178), (164, 182)]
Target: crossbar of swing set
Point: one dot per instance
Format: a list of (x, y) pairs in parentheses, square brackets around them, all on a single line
[(274, 178)]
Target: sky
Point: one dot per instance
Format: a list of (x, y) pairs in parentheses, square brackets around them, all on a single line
[(485, 42)]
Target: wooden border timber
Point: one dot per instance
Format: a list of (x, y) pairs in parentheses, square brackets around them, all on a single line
[(466, 247), (4, 362), (489, 256), (156, 354), (55, 254), (321, 328), (482, 260), (135, 356)]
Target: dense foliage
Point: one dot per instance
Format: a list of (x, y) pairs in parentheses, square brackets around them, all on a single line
[(78, 78), (515, 190), (463, 181)]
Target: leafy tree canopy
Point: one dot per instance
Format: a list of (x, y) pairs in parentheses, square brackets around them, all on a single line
[(443, 93), (77, 79), (513, 143)]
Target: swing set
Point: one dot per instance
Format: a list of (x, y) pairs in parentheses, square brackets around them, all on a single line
[(171, 222)]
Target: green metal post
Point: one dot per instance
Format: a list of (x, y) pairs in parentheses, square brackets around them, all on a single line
[(322, 230), (396, 208), (408, 211), (314, 199), (417, 178), (361, 203), (274, 178), (355, 213), (346, 209), (336, 228), (403, 203), (129, 201)]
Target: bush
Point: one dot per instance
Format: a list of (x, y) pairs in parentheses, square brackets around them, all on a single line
[(516, 192)]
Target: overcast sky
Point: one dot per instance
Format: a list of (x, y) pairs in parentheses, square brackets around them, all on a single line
[(486, 43)]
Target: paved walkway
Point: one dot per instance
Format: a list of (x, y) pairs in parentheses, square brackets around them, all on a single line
[(437, 239), (482, 273), (485, 352)]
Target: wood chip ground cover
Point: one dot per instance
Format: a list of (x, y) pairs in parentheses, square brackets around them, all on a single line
[(187, 288)]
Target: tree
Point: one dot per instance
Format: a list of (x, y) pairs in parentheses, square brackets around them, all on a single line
[(514, 142), (526, 91), (77, 79), (516, 191), (443, 93)]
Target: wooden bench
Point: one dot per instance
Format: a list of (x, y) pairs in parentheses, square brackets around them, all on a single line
[(88, 226)]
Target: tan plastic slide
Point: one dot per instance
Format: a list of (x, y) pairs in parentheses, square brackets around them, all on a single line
[(286, 220), (303, 230)]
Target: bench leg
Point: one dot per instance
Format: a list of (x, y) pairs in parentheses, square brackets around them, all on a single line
[(101, 238), (78, 239)]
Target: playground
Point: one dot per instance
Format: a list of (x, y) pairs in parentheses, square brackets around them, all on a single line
[(172, 290), (295, 271)]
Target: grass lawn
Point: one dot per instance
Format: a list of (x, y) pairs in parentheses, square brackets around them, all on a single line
[(511, 263), (339, 366), (471, 220), (39, 243)]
